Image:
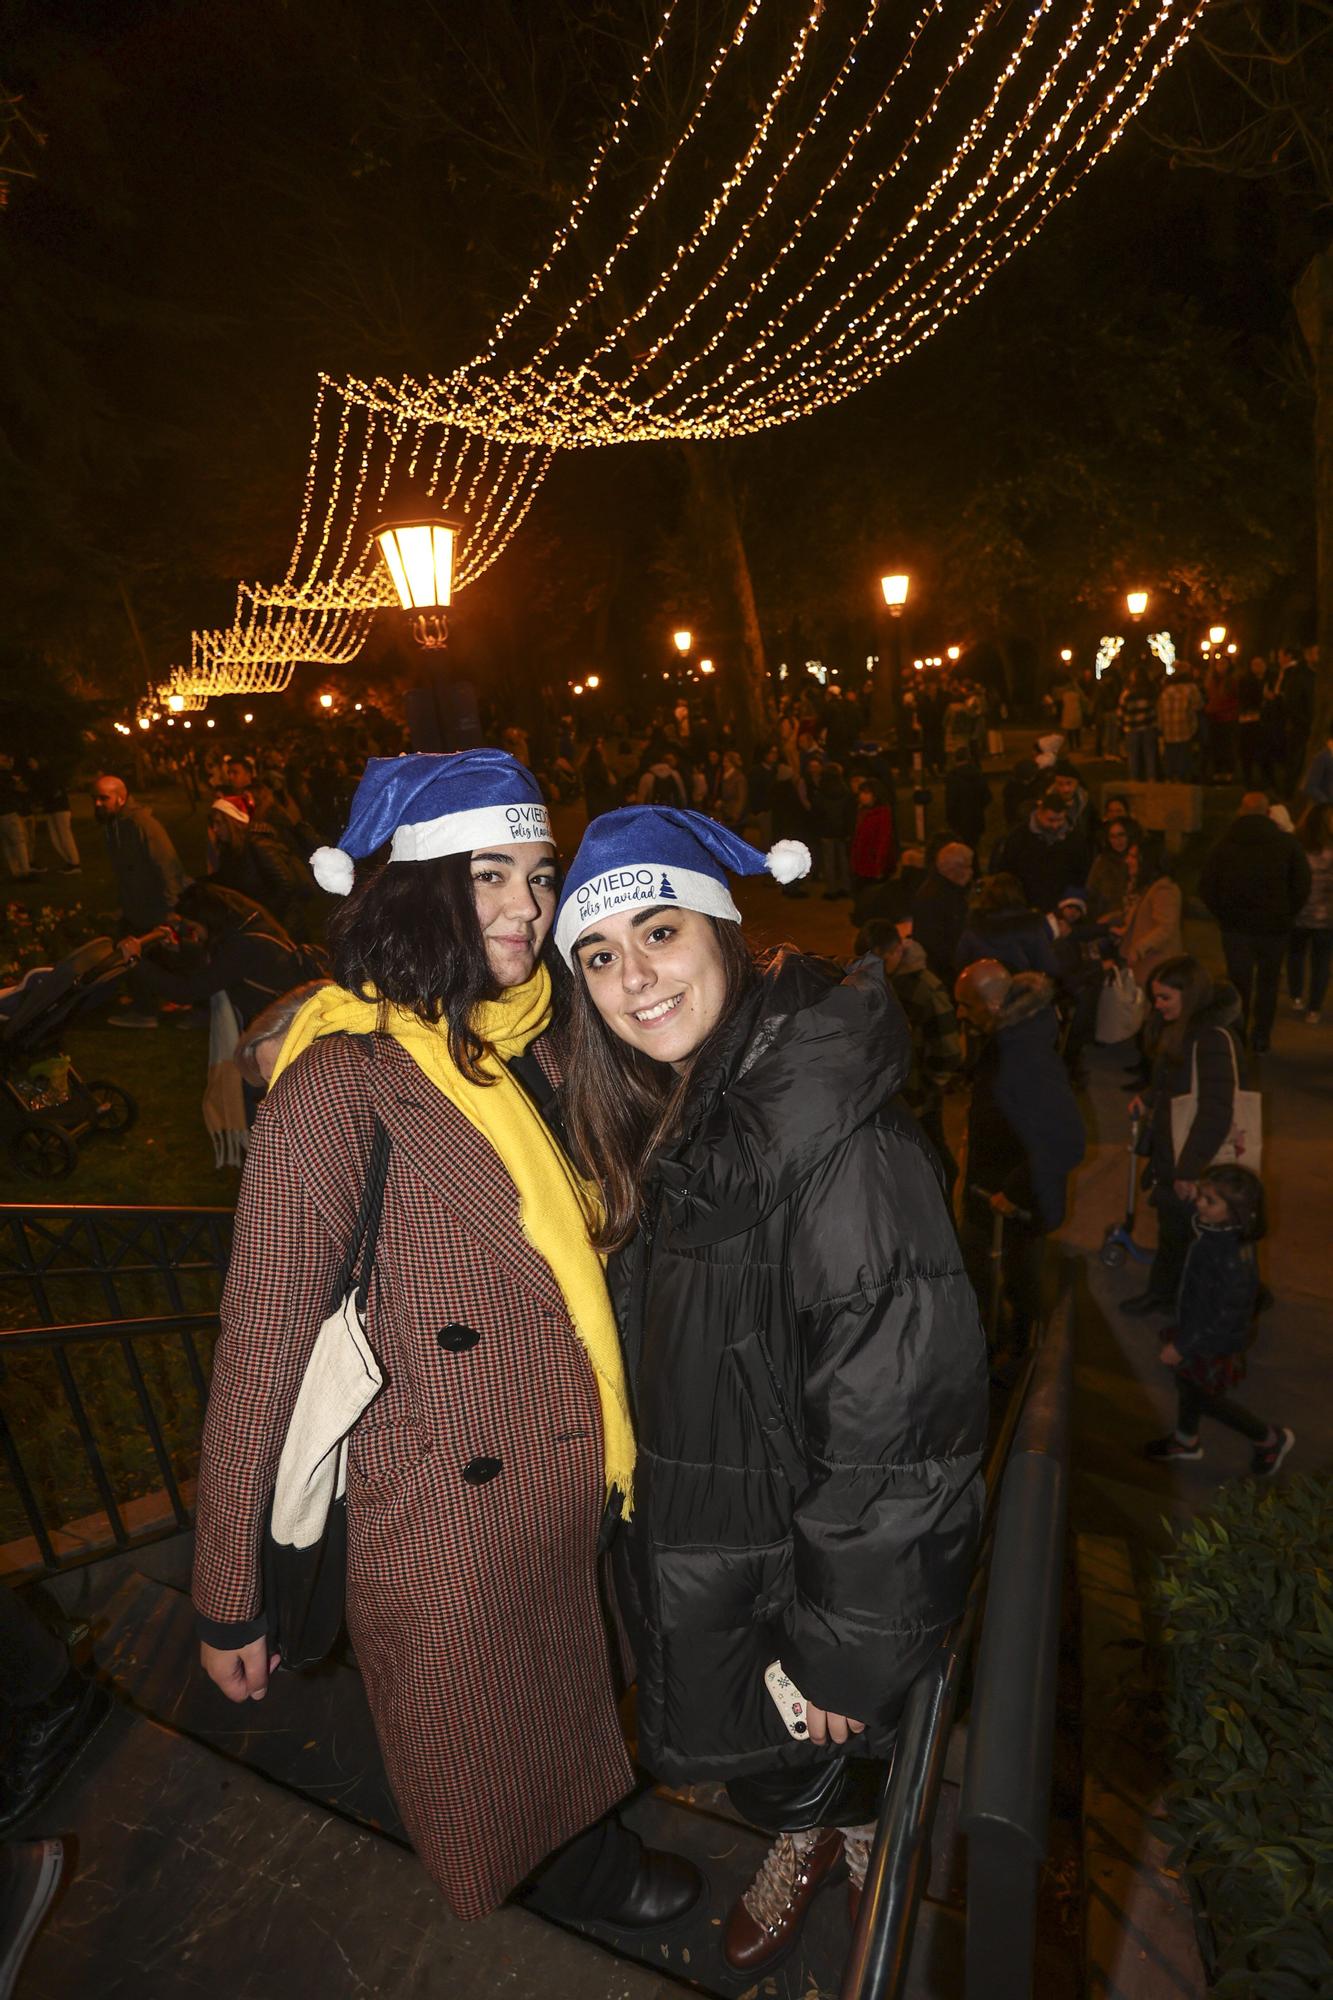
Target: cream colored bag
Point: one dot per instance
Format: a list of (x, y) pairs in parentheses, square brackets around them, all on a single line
[(1244, 1143)]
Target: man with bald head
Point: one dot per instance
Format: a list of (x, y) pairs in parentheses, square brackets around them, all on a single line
[(939, 908), (146, 866), (1024, 1133)]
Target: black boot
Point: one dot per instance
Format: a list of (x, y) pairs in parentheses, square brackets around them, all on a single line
[(666, 1888), (1144, 1304), (46, 1740)]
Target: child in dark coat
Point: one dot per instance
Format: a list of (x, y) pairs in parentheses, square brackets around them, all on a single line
[(1215, 1310)]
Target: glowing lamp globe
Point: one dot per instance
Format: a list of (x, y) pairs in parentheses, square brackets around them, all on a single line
[(594, 680), (326, 701), (1066, 654), (1217, 633), (682, 641), (705, 666), (955, 652), (1136, 602), (419, 556), (895, 591)]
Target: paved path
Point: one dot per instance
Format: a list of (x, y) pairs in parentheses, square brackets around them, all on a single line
[(1124, 1396)]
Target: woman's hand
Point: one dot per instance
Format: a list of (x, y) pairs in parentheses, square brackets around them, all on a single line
[(242, 1672), (825, 1727), (1185, 1190)]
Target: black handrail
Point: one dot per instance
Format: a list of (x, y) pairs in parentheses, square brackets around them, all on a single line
[(1006, 1797), (1036, 1423), (127, 1335)]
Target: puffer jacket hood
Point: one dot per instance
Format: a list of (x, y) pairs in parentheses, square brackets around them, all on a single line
[(810, 1056)]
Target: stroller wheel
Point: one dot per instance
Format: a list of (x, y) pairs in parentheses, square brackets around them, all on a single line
[(43, 1150), (116, 1109), (1112, 1253)]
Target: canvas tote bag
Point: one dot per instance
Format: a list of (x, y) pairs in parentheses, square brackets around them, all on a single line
[(304, 1554), (1121, 1006), (1244, 1144)]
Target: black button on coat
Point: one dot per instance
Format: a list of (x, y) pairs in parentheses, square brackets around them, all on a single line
[(809, 1380)]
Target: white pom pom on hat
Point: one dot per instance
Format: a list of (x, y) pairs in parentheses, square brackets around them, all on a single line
[(333, 870), (788, 860)]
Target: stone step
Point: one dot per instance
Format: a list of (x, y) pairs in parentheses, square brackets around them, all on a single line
[(190, 1876), (312, 1742)]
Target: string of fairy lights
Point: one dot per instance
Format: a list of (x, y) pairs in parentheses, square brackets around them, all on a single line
[(886, 169)]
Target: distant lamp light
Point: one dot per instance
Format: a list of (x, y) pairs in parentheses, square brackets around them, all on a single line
[(247, 717), (706, 667), (955, 652), (594, 680), (175, 702), (1136, 602), (578, 687), (1217, 633), (895, 592), (144, 723), (186, 723), (1233, 647), (210, 724), (919, 665), (171, 722), (358, 706), (419, 556), (1205, 645), (1066, 654), (326, 701), (682, 640)]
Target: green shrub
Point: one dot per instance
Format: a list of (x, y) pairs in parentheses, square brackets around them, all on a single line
[(1244, 1597)]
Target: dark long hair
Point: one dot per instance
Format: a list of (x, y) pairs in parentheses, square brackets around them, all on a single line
[(1243, 1192), (1194, 983), (408, 934), (621, 1107)]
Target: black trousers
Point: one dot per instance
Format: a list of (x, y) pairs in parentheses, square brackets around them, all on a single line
[(33, 1662), (836, 1790), (1022, 1266), (1254, 964), (1175, 1233), (1192, 1402)]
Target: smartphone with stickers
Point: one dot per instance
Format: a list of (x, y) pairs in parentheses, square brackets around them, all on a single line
[(788, 1700)]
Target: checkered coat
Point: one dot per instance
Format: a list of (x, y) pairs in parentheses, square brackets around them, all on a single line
[(475, 1481)]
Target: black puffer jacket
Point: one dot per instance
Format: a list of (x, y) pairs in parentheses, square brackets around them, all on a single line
[(1257, 877), (809, 1381)]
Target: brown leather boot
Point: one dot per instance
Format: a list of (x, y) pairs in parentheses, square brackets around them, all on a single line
[(767, 1919)]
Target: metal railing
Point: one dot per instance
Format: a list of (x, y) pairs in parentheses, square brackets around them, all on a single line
[(128, 1337), (108, 1253), (1007, 1778)]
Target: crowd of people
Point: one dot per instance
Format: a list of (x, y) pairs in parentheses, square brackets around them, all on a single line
[(523, 1080)]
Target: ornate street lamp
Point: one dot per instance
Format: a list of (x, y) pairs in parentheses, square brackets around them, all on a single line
[(1136, 602), (1217, 634), (682, 641), (418, 553)]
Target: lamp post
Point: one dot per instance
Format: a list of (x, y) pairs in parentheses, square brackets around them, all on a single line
[(419, 550), (887, 698)]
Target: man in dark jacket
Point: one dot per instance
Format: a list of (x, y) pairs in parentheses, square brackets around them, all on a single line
[(1046, 853), (967, 797), (147, 869), (939, 907), (1024, 1134), (1255, 882)]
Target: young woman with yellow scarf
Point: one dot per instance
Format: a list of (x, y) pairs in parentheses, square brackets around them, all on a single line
[(480, 1476)]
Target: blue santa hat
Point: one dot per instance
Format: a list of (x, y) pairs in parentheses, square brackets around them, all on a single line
[(430, 805), (643, 855)]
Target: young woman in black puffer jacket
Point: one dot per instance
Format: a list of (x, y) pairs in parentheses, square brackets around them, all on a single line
[(806, 1364)]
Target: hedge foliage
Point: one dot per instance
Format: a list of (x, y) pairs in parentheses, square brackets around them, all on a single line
[(1245, 1600)]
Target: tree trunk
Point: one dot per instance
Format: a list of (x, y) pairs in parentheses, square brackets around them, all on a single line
[(1313, 298), (742, 671)]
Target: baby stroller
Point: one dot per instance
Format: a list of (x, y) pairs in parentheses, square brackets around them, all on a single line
[(46, 1108)]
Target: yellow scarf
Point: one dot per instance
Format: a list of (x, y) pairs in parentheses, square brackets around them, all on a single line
[(556, 1206)]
